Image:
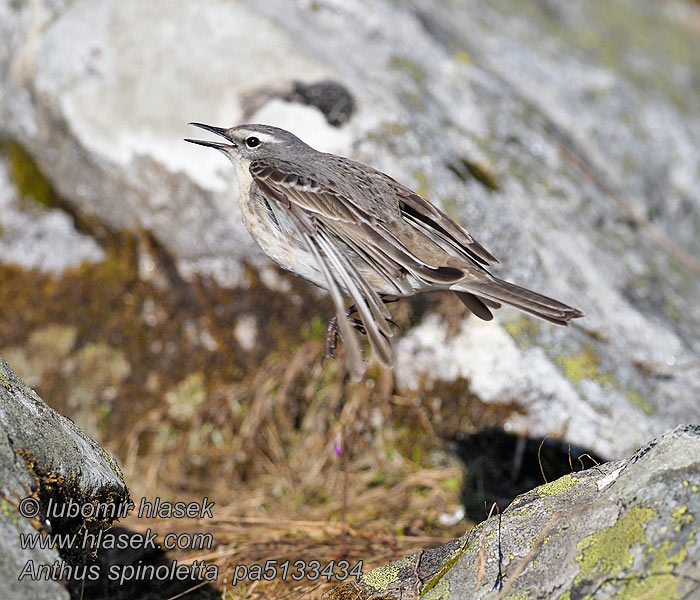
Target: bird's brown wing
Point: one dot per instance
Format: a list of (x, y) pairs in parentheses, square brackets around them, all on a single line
[(314, 211), (440, 228), (387, 200), (309, 194), (349, 238), (358, 225)]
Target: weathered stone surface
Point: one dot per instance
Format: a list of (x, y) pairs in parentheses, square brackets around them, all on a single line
[(38, 237), (559, 133), (46, 457), (626, 529)]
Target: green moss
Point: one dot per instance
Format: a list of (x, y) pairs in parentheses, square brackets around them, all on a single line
[(639, 401), (580, 366), (437, 582), (462, 57), (314, 329), (377, 479), (28, 179), (561, 485), (608, 551), (422, 186), (452, 484), (440, 591), (523, 329), (400, 63)]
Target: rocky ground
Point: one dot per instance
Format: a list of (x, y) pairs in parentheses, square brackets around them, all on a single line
[(563, 136)]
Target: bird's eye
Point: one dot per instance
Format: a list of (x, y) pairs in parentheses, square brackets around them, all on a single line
[(252, 141)]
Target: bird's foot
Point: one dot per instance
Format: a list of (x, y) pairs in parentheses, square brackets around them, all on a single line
[(332, 333), (331, 340)]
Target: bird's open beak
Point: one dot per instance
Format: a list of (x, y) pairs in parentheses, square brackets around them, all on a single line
[(218, 131)]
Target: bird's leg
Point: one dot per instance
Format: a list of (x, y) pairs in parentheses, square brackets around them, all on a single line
[(332, 332), (331, 340)]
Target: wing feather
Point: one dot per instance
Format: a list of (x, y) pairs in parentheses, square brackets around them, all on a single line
[(328, 201), (329, 219), (352, 345), (306, 192), (366, 301), (437, 222), (314, 219)]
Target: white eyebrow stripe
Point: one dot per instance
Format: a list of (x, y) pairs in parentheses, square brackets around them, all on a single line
[(263, 137)]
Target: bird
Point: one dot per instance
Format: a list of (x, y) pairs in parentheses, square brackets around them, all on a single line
[(357, 232)]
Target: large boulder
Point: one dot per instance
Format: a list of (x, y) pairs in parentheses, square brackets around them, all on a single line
[(563, 135), (49, 469), (625, 529)]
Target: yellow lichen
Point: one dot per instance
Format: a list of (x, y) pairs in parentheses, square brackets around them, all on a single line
[(422, 185), (608, 551), (680, 517), (561, 485), (462, 56), (27, 177), (521, 512), (5, 382), (639, 401), (580, 366), (586, 365), (401, 63), (437, 579), (439, 591), (381, 577)]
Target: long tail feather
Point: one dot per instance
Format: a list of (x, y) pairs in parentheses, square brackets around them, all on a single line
[(498, 290)]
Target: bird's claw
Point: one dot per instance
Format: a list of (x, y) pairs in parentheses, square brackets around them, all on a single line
[(331, 340), (332, 334)]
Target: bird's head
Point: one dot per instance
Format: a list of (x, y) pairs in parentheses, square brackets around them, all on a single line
[(252, 141)]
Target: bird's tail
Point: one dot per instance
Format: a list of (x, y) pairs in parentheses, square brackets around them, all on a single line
[(498, 290)]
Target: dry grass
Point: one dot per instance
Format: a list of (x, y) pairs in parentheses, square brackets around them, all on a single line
[(264, 449)]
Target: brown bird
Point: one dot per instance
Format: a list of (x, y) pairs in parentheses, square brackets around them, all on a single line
[(355, 231)]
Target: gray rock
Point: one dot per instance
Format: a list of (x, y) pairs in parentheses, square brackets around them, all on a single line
[(563, 135), (47, 458), (41, 238), (626, 529)]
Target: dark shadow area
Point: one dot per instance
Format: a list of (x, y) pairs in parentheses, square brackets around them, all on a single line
[(138, 573), (500, 466)]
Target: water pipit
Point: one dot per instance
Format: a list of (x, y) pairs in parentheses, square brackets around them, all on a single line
[(357, 232)]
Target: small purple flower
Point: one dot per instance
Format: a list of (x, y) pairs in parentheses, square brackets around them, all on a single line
[(338, 444)]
